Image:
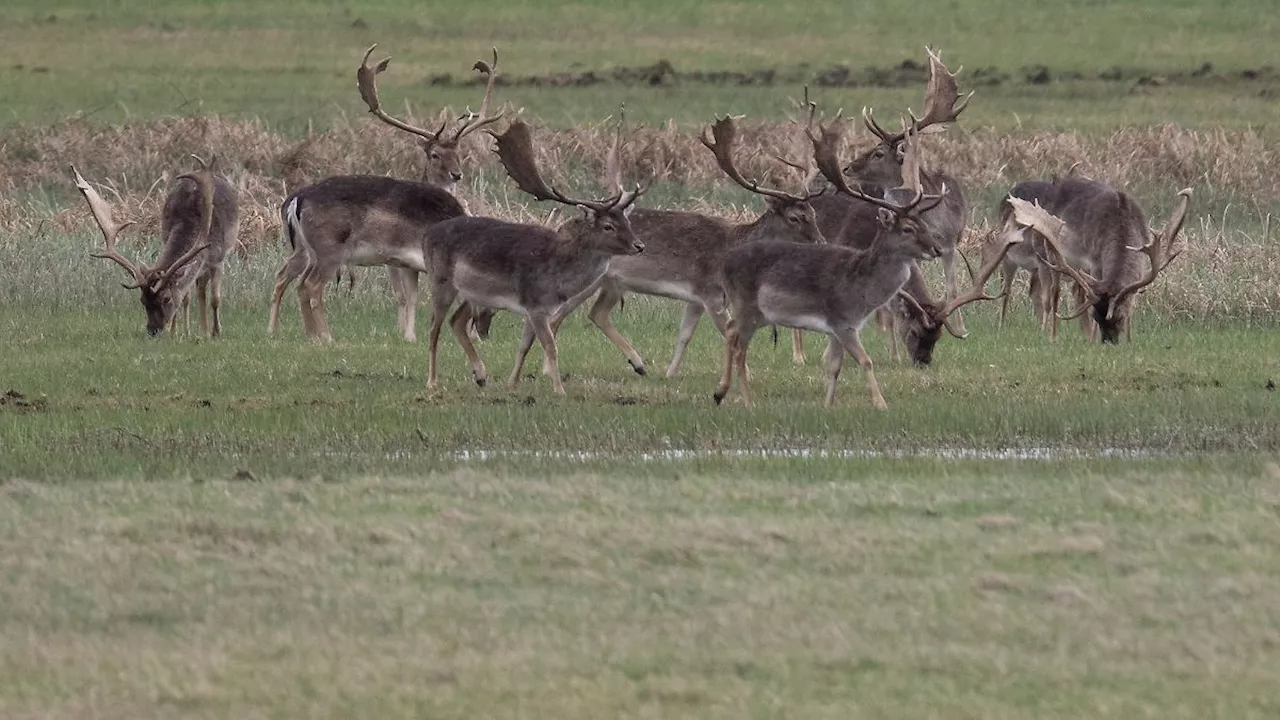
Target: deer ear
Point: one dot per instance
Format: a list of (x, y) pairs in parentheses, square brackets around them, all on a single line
[(887, 218), (426, 144), (588, 214), (772, 202), (900, 151)]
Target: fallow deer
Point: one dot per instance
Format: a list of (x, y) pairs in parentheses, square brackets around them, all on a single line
[(443, 170), (531, 270), (198, 224), (684, 251), (832, 289), (881, 167), (1025, 255), (1098, 236)]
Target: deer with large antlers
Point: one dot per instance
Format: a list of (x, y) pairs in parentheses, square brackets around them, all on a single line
[(882, 167), (531, 270), (685, 250), (833, 289), (1097, 236), (443, 170), (198, 225)]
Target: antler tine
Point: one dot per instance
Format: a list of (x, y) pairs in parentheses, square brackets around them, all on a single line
[(475, 121), (367, 84), (941, 95), (869, 120), (613, 160), (978, 291), (105, 220), (515, 152), (808, 170), (824, 156), (720, 142), (1050, 228), (1158, 248)]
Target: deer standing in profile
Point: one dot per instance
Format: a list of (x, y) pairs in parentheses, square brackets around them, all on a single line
[(833, 289), (1098, 237), (531, 270), (198, 224), (881, 168), (443, 170), (684, 251)]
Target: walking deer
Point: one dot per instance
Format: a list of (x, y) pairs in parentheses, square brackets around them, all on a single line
[(198, 225), (531, 270), (684, 251), (442, 170), (1097, 236), (881, 168), (833, 289)]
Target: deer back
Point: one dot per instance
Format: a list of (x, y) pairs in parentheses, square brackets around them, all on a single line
[(182, 224), (1103, 223)]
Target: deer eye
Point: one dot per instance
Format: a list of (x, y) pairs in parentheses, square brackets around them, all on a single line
[(607, 227), (909, 229), (793, 220), (879, 152), (435, 156)]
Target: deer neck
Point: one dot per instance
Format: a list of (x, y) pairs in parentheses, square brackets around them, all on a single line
[(753, 231)]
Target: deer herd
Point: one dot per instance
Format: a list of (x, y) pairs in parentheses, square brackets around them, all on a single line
[(845, 245)]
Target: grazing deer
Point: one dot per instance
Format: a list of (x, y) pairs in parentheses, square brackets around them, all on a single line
[(1025, 255), (881, 167), (442, 170), (1098, 236), (832, 289), (685, 250), (531, 270), (198, 225)]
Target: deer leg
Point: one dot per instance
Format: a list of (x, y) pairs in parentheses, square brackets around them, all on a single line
[(202, 300), (888, 324), (311, 297), (849, 338), (740, 356), (726, 371), (600, 313), (542, 328), (394, 282), (692, 316), (407, 282), (459, 326), (797, 346), (526, 343), (215, 301), (441, 299), (294, 266), (1007, 276), (720, 317), (833, 361), (1054, 299)]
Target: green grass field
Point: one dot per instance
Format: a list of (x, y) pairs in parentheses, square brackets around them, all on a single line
[(263, 527)]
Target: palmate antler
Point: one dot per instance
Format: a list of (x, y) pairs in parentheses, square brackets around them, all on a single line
[(1159, 248), (940, 103), (367, 83), (723, 136), (515, 152), (143, 275), (825, 148), (1053, 229)]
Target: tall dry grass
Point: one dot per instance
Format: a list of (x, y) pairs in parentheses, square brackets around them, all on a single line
[(1232, 262)]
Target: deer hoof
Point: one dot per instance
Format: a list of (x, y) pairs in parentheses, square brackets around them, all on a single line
[(481, 381), (718, 397), (638, 368)]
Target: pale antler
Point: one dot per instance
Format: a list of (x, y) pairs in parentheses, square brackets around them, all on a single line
[(1159, 249), (807, 112), (940, 103), (367, 83), (474, 121), (613, 160), (720, 142), (1052, 228), (105, 219), (978, 290), (515, 152), (203, 178)]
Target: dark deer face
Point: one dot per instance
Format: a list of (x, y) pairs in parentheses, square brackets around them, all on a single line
[(1112, 323), (919, 331), (788, 221), (907, 235), (881, 166), (611, 232), (444, 166), (161, 306)]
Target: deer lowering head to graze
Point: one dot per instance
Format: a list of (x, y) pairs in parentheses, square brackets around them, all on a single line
[(531, 270), (827, 288), (442, 170), (684, 251), (198, 226), (881, 167), (1098, 236)]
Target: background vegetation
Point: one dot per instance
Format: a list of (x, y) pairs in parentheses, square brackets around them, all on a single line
[(260, 527)]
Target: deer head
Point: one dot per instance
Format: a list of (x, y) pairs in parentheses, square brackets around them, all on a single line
[(161, 292), (604, 225), (881, 166), (444, 167), (787, 216)]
